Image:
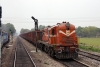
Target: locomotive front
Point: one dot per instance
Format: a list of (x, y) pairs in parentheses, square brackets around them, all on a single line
[(67, 41)]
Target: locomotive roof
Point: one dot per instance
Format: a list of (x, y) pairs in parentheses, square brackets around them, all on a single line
[(61, 25)]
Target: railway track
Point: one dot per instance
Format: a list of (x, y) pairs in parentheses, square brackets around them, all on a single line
[(73, 63), (22, 57), (89, 55)]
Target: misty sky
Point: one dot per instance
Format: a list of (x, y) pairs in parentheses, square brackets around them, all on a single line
[(50, 12)]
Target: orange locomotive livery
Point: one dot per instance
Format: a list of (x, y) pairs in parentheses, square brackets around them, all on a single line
[(59, 40)]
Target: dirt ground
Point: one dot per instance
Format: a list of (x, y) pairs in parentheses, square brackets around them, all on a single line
[(7, 54), (95, 53), (89, 61), (41, 58)]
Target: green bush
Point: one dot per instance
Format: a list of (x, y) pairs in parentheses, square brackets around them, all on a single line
[(89, 48)]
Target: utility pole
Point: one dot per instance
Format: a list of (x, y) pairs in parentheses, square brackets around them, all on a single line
[(0, 25), (0, 15), (11, 33), (36, 29)]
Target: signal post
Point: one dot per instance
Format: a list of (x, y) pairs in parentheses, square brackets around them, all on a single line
[(36, 29)]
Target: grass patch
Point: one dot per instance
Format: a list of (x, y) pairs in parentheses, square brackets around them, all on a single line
[(46, 63), (90, 48), (90, 44)]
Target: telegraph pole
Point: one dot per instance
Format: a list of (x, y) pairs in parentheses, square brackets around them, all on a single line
[(0, 25), (36, 29), (0, 15), (11, 33)]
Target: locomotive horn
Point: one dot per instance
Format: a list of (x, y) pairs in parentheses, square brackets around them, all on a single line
[(67, 24)]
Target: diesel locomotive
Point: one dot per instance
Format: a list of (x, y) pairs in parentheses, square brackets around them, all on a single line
[(58, 41)]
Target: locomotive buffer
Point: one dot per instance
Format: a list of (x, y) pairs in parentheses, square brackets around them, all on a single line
[(36, 29)]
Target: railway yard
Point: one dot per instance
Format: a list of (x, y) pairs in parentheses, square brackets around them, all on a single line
[(21, 53), (53, 33)]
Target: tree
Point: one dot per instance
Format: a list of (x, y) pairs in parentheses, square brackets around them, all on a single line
[(41, 27), (79, 31), (24, 31), (7, 27), (90, 31), (33, 29)]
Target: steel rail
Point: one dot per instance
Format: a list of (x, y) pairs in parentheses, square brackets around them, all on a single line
[(14, 65), (89, 55), (73, 63), (30, 56)]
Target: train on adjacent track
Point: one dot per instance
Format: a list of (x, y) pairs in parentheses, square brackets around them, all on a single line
[(58, 41), (4, 38)]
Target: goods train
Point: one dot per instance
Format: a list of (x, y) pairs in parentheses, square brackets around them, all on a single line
[(58, 41), (4, 38)]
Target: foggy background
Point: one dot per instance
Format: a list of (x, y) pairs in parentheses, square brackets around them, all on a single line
[(50, 12)]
